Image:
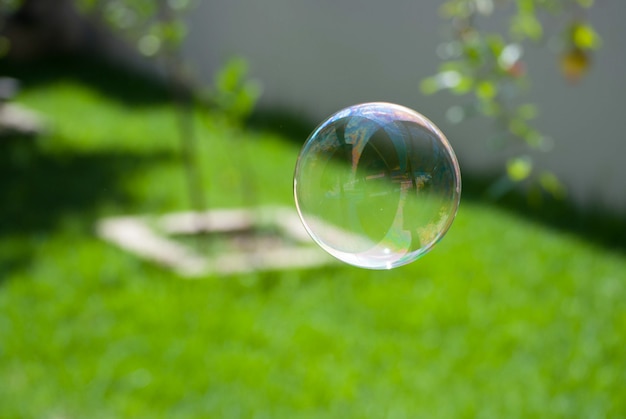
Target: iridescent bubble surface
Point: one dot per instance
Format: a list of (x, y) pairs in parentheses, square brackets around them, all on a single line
[(377, 185)]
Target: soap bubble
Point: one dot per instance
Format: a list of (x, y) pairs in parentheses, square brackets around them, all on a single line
[(377, 185)]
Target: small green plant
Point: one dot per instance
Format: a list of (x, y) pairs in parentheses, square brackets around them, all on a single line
[(234, 93), (233, 96), (489, 66), (157, 30)]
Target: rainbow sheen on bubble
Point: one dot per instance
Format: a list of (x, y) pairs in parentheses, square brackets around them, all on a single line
[(377, 185)]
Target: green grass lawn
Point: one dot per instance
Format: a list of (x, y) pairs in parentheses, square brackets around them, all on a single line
[(505, 318)]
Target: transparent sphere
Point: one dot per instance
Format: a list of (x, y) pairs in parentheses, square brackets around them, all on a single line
[(377, 185)]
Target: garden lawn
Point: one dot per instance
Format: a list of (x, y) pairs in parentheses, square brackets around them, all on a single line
[(503, 319)]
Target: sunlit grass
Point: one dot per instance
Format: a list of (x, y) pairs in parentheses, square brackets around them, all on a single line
[(505, 318)]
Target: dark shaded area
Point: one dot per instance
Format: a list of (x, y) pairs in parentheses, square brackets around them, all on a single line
[(37, 189), (595, 224), (124, 84), (284, 122)]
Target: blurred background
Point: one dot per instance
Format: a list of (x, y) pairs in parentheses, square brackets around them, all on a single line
[(136, 108), (315, 59)]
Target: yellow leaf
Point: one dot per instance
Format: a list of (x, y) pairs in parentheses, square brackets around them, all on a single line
[(574, 65)]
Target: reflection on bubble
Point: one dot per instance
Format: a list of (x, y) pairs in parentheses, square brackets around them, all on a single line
[(377, 185)]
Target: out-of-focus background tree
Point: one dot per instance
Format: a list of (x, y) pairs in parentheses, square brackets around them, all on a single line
[(118, 107), (332, 56), (490, 66)]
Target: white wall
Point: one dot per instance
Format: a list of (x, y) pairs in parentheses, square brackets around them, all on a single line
[(316, 57)]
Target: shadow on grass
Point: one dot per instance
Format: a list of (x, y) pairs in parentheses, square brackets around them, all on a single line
[(595, 224), (131, 87), (39, 189), (284, 122), (598, 225)]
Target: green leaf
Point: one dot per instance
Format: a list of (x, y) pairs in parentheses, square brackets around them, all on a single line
[(526, 6), (455, 9), (178, 4), (526, 25), (519, 168), (527, 111), (429, 85), (174, 32), (586, 3), (534, 138), (518, 127), (149, 45), (464, 85), (235, 94), (456, 65), (495, 43), (83, 5), (486, 89), (488, 107), (5, 46), (585, 37), (484, 7), (551, 184), (119, 16)]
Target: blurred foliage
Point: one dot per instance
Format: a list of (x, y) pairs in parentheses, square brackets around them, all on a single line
[(233, 92), (6, 8), (152, 26), (9, 6), (156, 29), (489, 65)]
